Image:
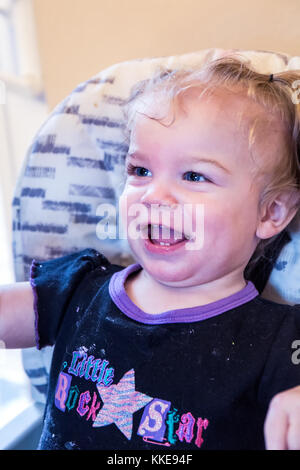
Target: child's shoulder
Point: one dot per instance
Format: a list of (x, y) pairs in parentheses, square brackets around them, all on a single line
[(64, 274), (274, 312), (90, 258), (61, 283), (276, 307)]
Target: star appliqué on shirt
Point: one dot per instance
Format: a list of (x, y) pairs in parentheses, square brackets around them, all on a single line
[(120, 402)]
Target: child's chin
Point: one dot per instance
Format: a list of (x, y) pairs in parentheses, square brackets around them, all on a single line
[(164, 272)]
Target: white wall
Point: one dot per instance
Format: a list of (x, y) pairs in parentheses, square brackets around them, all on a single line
[(78, 38)]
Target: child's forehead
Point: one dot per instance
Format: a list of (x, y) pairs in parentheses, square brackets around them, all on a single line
[(229, 102), (261, 130), (218, 103), (226, 102)]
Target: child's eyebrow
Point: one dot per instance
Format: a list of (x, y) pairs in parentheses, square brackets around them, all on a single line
[(189, 159), (210, 161), (136, 155)]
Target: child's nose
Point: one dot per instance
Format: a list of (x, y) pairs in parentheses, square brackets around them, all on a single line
[(160, 195)]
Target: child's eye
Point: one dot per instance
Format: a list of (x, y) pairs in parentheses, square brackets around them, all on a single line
[(136, 170), (194, 177)]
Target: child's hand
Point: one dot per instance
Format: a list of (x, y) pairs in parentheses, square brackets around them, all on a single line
[(282, 424)]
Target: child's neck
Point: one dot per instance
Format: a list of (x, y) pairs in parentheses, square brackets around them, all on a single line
[(154, 297)]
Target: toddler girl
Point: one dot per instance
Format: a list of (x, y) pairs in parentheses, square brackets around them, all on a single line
[(178, 350)]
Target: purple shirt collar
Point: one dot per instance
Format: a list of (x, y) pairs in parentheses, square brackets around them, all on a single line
[(183, 315)]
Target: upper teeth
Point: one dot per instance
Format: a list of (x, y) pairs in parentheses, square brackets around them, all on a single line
[(156, 226)]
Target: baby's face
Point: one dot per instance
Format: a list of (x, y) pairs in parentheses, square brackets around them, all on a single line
[(200, 165)]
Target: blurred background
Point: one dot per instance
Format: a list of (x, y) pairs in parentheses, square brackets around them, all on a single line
[(48, 47)]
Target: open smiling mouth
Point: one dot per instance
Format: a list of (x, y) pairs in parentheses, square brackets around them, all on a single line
[(164, 238)]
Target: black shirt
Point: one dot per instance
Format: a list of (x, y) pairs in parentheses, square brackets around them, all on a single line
[(119, 382)]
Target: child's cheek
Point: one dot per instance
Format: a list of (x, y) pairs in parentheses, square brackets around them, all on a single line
[(123, 206), (132, 214), (218, 227), (123, 213)]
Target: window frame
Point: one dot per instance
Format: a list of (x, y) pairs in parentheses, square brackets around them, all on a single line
[(20, 79)]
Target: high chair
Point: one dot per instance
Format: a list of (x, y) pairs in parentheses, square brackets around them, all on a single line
[(76, 163)]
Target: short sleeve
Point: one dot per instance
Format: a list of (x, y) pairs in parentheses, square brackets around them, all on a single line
[(54, 282), (281, 371)]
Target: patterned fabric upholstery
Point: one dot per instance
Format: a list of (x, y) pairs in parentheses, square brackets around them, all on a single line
[(76, 163)]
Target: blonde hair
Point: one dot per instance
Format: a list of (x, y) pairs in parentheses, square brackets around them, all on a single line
[(276, 93)]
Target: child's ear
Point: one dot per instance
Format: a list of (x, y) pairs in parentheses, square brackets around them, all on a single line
[(277, 214)]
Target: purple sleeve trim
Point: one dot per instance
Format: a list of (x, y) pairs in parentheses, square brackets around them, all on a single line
[(35, 302)]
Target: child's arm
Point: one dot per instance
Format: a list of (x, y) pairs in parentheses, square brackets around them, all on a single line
[(17, 328), (282, 424)]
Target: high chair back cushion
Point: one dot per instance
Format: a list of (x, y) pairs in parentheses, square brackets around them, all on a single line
[(76, 164)]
